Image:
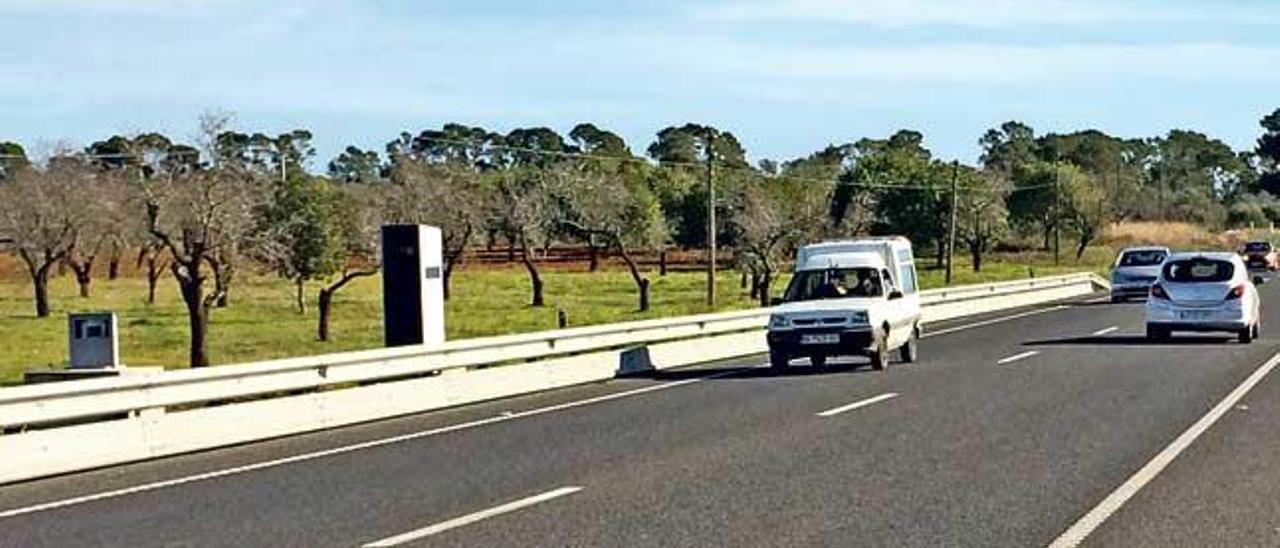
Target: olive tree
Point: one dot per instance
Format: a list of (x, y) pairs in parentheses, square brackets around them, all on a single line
[(982, 218), (298, 232), (361, 208)]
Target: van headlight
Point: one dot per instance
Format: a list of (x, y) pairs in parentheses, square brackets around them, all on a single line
[(859, 317), (779, 322)]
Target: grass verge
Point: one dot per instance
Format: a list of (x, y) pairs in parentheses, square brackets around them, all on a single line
[(262, 323)]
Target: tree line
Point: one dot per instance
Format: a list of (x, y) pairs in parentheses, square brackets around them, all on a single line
[(201, 211)]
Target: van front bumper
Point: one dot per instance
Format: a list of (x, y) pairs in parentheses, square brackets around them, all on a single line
[(859, 341)]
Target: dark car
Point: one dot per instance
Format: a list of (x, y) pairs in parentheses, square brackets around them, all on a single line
[(1261, 256)]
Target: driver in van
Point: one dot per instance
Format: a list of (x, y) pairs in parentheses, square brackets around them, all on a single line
[(835, 287)]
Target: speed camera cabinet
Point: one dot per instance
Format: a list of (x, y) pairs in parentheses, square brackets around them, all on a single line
[(412, 285)]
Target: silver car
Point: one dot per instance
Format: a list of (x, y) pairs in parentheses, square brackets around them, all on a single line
[(1135, 269)]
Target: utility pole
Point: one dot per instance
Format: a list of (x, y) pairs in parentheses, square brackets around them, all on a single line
[(1057, 215), (711, 222), (951, 226)]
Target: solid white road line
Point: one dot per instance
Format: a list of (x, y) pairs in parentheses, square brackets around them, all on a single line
[(858, 404), (1017, 357), (471, 518), (1088, 523), (1104, 331), (349, 448), (928, 334)]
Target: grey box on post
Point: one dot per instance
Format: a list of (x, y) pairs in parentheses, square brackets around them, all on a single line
[(94, 340)]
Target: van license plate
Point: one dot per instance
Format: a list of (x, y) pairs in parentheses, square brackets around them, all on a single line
[(1194, 315), (820, 338)]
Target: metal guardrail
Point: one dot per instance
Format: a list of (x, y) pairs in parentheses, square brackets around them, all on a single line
[(28, 405), (63, 427)]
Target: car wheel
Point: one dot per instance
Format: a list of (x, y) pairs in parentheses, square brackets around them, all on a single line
[(1156, 333), (1245, 336), (910, 352), (778, 361), (818, 361)]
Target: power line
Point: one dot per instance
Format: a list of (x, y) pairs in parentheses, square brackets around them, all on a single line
[(701, 166)]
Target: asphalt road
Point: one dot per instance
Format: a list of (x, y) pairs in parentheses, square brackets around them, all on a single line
[(1004, 435)]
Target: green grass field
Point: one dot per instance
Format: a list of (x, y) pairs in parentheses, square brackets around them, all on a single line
[(262, 323)]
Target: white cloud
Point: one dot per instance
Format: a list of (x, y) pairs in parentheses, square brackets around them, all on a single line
[(983, 13)]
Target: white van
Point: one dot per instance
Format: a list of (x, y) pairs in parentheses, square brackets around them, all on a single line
[(851, 297)]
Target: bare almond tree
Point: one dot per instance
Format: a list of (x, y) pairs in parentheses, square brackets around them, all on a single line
[(611, 204), (447, 195), (105, 215), (771, 217), (155, 257), (525, 209), (40, 217), (197, 215)]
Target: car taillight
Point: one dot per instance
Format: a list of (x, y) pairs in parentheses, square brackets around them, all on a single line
[(1158, 292), (1235, 293)]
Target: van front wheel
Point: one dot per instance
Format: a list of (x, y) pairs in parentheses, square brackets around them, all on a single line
[(910, 351), (778, 361), (878, 361)]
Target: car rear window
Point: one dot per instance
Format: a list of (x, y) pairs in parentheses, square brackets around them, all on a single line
[(1198, 270), (1257, 246), (1142, 258)]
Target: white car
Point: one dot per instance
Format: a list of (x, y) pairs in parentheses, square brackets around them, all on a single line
[(1203, 292), (853, 297), (1134, 271)]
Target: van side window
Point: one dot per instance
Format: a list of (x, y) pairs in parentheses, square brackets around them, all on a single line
[(908, 279), (888, 281)]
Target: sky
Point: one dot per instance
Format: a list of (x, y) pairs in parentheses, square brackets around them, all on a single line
[(787, 78)]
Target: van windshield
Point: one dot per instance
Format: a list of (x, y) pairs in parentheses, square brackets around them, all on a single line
[(835, 283), (1257, 247)]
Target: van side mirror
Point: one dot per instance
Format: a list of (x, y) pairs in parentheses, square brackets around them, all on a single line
[(1259, 280), (895, 294), (775, 301)]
